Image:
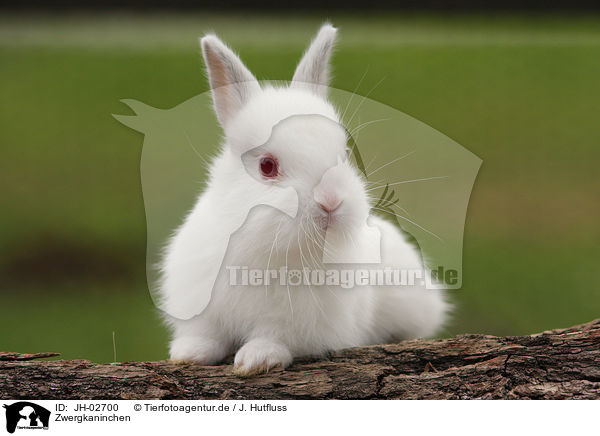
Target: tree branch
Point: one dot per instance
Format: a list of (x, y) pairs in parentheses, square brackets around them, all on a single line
[(556, 364)]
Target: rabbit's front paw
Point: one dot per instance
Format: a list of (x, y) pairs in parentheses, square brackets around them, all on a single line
[(197, 349), (259, 356)]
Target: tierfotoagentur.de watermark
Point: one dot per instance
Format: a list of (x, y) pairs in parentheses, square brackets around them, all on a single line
[(344, 278)]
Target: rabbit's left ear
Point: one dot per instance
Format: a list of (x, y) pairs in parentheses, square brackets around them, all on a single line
[(231, 82), (313, 70)]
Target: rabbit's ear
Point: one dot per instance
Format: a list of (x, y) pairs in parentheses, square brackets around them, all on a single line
[(231, 83), (313, 70)]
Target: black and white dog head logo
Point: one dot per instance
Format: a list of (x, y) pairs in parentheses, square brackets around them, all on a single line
[(26, 415)]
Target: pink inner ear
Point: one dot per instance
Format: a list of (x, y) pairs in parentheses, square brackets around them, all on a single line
[(220, 84), (217, 73)]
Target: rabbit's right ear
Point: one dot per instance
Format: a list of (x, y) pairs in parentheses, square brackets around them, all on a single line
[(231, 82), (313, 70)]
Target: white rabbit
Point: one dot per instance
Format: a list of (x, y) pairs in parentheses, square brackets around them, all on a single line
[(266, 326)]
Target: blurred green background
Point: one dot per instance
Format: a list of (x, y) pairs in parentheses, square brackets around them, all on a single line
[(520, 91)]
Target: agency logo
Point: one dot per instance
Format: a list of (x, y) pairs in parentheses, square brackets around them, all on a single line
[(290, 187), (399, 172), (26, 416)]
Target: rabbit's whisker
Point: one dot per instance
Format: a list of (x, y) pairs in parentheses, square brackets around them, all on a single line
[(370, 163), (322, 246), (271, 252), (287, 284), (354, 93), (394, 161), (409, 181), (392, 204), (418, 180), (205, 163), (365, 124), (363, 100), (309, 286), (412, 222), (317, 266)]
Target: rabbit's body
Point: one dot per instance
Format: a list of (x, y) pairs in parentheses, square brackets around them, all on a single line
[(270, 325)]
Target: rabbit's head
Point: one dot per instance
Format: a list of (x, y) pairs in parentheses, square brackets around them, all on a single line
[(285, 136)]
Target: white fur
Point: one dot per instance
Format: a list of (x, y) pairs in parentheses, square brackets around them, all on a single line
[(270, 326)]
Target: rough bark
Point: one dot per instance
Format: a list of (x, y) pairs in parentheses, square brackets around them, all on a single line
[(556, 364)]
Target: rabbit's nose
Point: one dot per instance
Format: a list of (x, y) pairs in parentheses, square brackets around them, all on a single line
[(330, 205)]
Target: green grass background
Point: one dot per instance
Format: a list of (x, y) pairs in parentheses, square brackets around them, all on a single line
[(521, 92)]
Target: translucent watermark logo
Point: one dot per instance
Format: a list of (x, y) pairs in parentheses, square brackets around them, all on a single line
[(330, 190), (344, 278)]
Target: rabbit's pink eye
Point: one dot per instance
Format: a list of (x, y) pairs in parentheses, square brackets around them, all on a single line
[(269, 167)]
